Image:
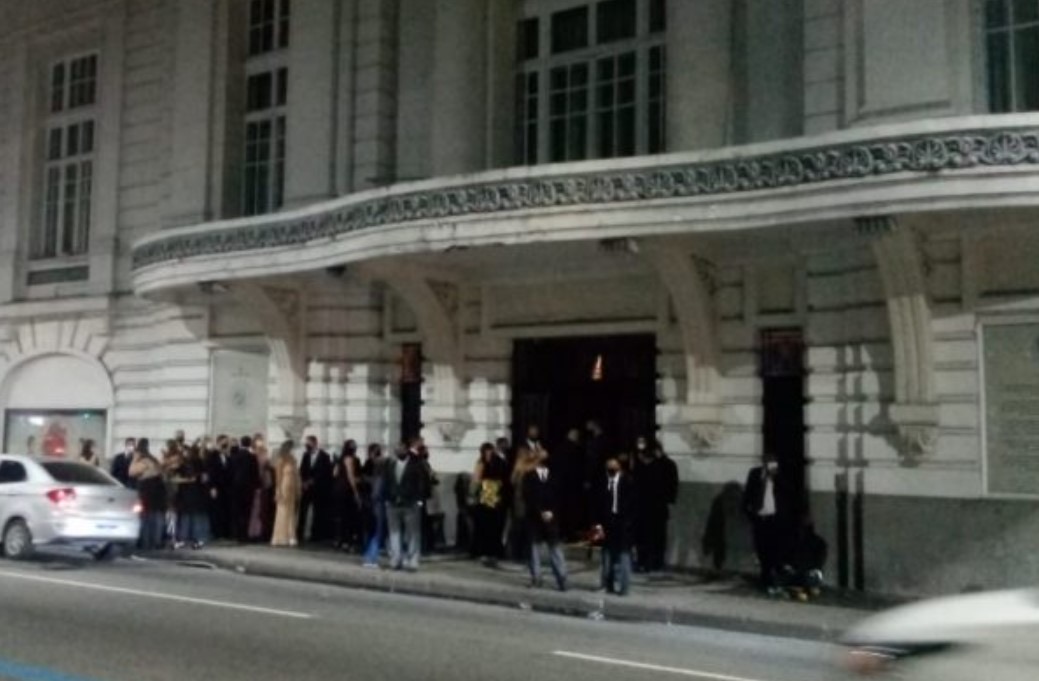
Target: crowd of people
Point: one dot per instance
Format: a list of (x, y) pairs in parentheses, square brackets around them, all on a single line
[(524, 501), (527, 501), (236, 489)]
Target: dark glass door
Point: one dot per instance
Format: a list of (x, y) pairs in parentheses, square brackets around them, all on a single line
[(563, 383), (783, 398)]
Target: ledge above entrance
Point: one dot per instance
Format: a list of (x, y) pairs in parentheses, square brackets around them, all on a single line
[(923, 166)]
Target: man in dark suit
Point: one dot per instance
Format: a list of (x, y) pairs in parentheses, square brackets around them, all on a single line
[(316, 472), (244, 471), (615, 525), (656, 483), (218, 484), (120, 469), (407, 485), (770, 503), (540, 497)]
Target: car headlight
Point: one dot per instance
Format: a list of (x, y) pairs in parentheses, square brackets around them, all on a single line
[(870, 660)]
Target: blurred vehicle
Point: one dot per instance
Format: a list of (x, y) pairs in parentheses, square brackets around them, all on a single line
[(989, 636), (57, 502)]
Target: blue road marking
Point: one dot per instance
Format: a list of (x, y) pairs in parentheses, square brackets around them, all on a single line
[(23, 672)]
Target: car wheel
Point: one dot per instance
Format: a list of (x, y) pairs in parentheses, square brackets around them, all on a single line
[(17, 540), (107, 553)]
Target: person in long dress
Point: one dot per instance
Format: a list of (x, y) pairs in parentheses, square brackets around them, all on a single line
[(287, 495)]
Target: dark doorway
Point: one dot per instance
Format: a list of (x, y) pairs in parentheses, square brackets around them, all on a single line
[(561, 383), (410, 391), (783, 388)]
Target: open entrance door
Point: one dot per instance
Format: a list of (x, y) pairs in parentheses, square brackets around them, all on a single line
[(783, 401), (562, 383)]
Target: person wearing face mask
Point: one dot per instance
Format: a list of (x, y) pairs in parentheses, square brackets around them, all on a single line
[(120, 469), (541, 505), (656, 489), (407, 486), (615, 520), (767, 503)]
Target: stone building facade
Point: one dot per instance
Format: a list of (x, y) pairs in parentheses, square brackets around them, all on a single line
[(743, 225)]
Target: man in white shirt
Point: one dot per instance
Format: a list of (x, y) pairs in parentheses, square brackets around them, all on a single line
[(615, 520), (768, 504)]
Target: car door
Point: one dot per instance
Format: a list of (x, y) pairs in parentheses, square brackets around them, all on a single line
[(12, 476)]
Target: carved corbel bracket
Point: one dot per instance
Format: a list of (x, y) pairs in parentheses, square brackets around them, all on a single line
[(292, 426), (903, 273), (917, 426), (437, 304), (281, 312), (689, 281)]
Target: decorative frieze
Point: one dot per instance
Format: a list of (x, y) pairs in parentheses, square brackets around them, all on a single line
[(919, 154)]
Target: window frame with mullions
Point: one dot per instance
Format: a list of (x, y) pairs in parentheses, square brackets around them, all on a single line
[(265, 119), (68, 160), (263, 161), (537, 139), (266, 34), (1003, 82)]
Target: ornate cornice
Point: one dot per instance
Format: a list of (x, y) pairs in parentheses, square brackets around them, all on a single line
[(920, 154)]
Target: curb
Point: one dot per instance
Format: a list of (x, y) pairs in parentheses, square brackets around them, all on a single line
[(573, 603)]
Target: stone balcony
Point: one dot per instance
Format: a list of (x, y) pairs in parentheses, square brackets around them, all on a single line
[(939, 164)]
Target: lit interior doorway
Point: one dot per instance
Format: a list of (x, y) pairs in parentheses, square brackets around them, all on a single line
[(562, 383)]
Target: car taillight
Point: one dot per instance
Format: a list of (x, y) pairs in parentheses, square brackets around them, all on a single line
[(138, 507), (61, 497), (872, 660), (869, 661)]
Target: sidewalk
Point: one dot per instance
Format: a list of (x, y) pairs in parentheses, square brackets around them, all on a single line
[(669, 598)]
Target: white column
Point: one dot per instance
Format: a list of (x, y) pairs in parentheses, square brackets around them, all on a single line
[(188, 199), (345, 116), (699, 74), (14, 225), (501, 68), (104, 247), (459, 106), (313, 57)]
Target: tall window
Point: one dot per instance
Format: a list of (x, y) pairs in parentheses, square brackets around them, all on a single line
[(266, 96), (1012, 44), (591, 81), (268, 26), (68, 167)]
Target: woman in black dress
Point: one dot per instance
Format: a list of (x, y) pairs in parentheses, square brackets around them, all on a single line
[(347, 476), (192, 501)]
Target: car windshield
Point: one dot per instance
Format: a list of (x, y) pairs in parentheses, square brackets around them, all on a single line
[(76, 473)]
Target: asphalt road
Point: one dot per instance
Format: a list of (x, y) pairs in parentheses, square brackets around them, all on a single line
[(70, 620)]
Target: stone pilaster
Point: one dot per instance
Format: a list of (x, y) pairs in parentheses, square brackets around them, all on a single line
[(188, 199), (699, 74), (313, 57)]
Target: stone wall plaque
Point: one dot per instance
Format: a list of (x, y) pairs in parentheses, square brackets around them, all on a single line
[(240, 392), (1011, 358)]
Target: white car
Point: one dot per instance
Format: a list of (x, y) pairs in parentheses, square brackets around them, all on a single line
[(54, 501), (989, 636)]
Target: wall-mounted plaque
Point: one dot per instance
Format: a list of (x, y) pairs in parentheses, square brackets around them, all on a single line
[(1011, 357), (240, 396)]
